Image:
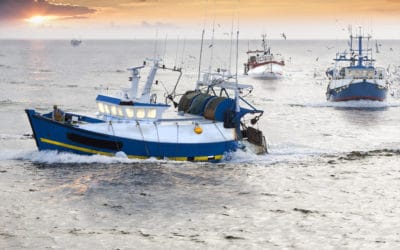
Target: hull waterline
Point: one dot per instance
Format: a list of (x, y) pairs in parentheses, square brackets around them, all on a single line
[(266, 72)]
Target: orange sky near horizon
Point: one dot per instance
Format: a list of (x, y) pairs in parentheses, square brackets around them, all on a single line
[(94, 17), (248, 10)]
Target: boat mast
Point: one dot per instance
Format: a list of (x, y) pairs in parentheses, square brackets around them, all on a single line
[(201, 47), (360, 56), (165, 47), (230, 49), (176, 53), (132, 92), (350, 29), (264, 43), (236, 74), (183, 52), (351, 43), (200, 57), (145, 97), (212, 43), (237, 97), (155, 45)]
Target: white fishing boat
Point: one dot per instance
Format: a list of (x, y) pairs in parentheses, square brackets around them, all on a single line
[(263, 64)]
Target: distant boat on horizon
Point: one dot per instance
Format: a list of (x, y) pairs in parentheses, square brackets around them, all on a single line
[(76, 42)]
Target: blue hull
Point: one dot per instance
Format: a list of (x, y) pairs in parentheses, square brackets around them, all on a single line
[(358, 91), (52, 135)]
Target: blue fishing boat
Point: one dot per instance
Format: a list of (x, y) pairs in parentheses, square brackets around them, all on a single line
[(354, 76), (205, 125)]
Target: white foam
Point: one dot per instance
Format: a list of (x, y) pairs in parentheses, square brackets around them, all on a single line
[(353, 104), (52, 157), (6, 155), (277, 153), (121, 154), (55, 157)]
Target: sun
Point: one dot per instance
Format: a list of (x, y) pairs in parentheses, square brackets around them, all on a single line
[(37, 20)]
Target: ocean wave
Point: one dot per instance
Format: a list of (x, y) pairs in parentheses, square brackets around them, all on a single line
[(357, 155), (276, 154), (15, 137), (7, 102), (16, 82)]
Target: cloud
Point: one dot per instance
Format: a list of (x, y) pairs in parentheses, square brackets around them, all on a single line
[(21, 9), (146, 24), (72, 17)]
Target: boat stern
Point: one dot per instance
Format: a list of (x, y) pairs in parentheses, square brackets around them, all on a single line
[(255, 140)]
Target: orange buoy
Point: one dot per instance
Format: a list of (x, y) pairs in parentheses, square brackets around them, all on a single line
[(198, 130)]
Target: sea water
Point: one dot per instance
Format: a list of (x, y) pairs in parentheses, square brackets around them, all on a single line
[(330, 180)]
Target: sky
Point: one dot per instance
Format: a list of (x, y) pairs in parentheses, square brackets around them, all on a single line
[(136, 19)]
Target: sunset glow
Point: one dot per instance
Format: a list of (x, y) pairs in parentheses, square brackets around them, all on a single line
[(36, 20), (128, 19)]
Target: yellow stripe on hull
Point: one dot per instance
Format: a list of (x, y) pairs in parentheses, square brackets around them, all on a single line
[(197, 158), (138, 157), (86, 150), (92, 151)]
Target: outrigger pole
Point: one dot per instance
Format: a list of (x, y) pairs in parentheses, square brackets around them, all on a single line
[(236, 74), (201, 48), (201, 53), (237, 97)]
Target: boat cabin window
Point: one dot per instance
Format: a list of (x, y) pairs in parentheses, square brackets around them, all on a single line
[(101, 107), (106, 109), (120, 112), (140, 113), (151, 113), (129, 112), (114, 110), (360, 73)]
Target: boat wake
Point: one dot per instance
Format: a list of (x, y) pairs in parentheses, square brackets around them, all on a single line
[(302, 157), (55, 157), (240, 156), (277, 155), (363, 104)]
